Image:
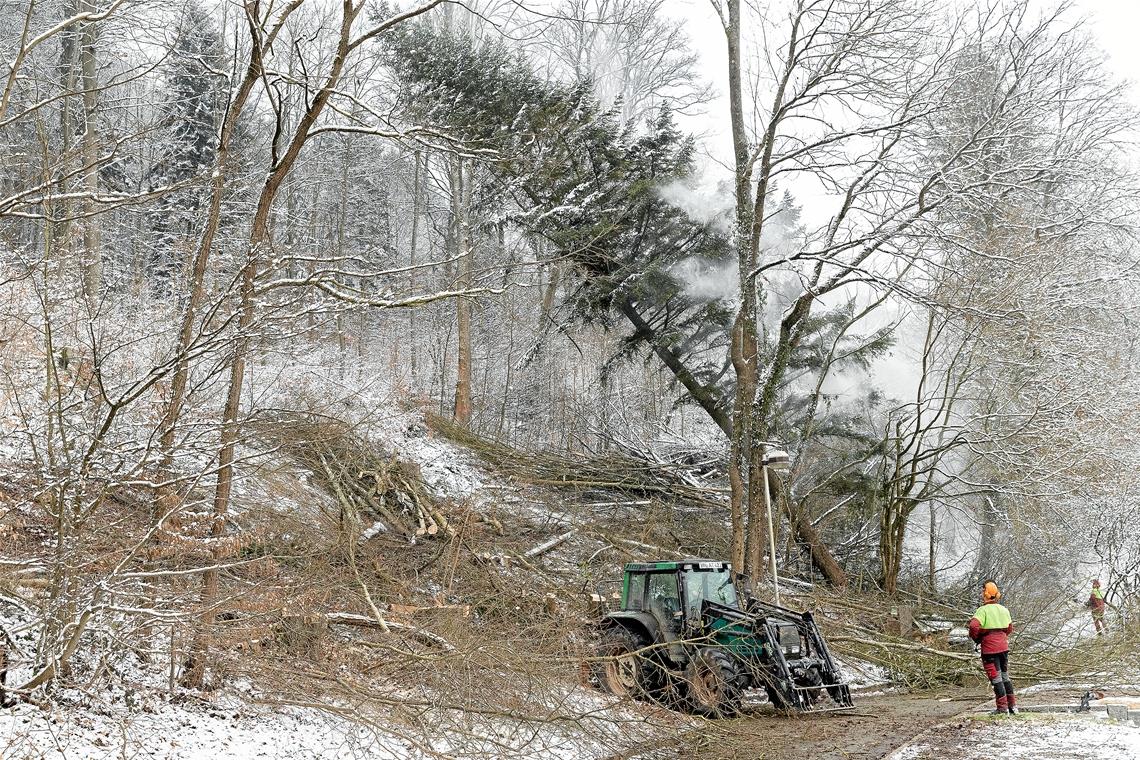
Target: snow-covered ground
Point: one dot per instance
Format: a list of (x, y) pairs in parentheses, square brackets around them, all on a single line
[(1029, 737), (862, 675), (77, 726), (448, 470), (162, 730)]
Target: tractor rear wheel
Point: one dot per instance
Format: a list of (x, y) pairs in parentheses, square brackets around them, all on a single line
[(625, 671), (714, 684)]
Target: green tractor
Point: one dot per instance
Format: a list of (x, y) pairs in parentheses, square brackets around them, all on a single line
[(683, 637)]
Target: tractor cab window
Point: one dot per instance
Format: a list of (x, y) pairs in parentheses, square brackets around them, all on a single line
[(664, 601), (714, 585), (636, 598)]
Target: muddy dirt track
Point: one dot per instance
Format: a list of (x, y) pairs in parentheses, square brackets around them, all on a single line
[(877, 726)]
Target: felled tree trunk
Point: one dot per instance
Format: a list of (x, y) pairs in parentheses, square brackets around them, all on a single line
[(807, 535)]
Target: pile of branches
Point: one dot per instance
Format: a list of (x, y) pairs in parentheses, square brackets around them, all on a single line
[(374, 489), (633, 475), (906, 662)]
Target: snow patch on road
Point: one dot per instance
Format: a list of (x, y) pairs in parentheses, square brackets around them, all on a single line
[(1030, 737), (1073, 738), (912, 752)]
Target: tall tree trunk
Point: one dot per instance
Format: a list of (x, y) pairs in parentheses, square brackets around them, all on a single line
[(930, 568), (227, 444), (341, 231), (259, 245), (752, 416), (180, 377), (461, 209), (763, 413), (92, 253), (987, 538), (744, 353), (892, 531), (60, 210), (417, 205)]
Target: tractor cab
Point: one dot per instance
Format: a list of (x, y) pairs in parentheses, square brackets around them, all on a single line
[(674, 592)]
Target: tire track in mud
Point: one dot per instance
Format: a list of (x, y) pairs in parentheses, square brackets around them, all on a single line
[(876, 727)]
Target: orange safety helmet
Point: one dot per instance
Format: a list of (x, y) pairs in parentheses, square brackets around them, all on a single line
[(990, 592)]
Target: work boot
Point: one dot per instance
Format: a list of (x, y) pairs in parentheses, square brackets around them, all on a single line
[(997, 711), (1013, 710)]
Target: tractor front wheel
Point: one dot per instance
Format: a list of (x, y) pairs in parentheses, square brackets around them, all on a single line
[(625, 671), (714, 684)]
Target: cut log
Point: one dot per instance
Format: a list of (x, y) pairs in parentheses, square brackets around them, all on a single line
[(363, 621), (546, 546)]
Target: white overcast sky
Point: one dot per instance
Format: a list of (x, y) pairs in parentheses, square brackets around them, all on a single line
[(1115, 25)]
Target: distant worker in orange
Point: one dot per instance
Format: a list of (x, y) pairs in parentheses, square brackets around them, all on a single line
[(1096, 605), (990, 627)]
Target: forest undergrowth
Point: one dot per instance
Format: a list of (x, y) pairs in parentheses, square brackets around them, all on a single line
[(343, 598)]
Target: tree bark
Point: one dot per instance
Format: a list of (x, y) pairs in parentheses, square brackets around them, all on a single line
[(550, 290), (417, 205), (60, 212), (821, 556), (763, 412), (892, 531), (751, 416), (259, 244), (987, 538), (930, 568), (461, 209), (92, 253), (744, 353), (180, 377)]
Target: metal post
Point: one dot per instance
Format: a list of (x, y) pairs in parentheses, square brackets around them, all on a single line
[(771, 533)]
